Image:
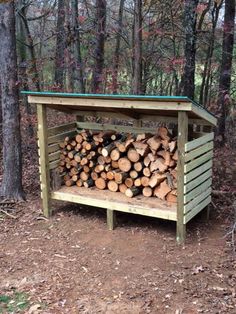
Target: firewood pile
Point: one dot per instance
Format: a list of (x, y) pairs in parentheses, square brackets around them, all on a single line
[(127, 163)]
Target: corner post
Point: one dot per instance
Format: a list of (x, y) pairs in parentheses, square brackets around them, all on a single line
[(182, 139), (111, 219), (44, 162)]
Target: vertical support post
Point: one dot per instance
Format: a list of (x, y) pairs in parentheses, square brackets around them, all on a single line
[(182, 139), (44, 162), (111, 219)]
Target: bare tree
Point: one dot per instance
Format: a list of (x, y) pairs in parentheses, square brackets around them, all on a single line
[(226, 65), (60, 45), (190, 20), (100, 20), (137, 49), (12, 164), (117, 47)]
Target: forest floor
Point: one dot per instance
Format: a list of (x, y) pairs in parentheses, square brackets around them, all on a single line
[(71, 263)]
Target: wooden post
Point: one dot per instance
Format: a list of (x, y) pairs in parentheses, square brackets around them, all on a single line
[(111, 219), (182, 139), (44, 163)]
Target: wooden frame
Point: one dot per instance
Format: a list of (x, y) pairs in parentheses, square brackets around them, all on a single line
[(194, 157)]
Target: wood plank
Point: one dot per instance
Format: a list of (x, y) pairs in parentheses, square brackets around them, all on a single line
[(198, 171), (104, 114), (111, 219), (192, 204), (182, 139), (60, 137), (198, 162), (201, 112), (151, 207), (54, 164), (197, 209), (199, 141), (119, 128), (62, 128), (54, 156), (192, 184), (53, 148), (198, 151), (112, 103), (44, 163), (198, 190)]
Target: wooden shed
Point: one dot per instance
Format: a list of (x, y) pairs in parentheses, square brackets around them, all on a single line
[(140, 113)]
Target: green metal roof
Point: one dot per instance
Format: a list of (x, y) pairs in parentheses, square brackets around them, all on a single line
[(146, 97)]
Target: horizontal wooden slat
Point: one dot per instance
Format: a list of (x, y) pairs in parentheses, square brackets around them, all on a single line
[(53, 148), (198, 171), (198, 151), (198, 162), (199, 141), (192, 184), (197, 209), (192, 204), (54, 156), (119, 128), (59, 137), (198, 190), (62, 128), (53, 164)]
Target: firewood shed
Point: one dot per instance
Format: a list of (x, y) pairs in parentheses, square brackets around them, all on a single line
[(138, 114)]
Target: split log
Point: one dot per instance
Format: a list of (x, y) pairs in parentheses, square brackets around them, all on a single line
[(162, 190)]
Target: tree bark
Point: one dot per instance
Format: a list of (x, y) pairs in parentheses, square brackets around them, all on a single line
[(12, 163), (60, 45), (117, 48), (77, 50), (226, 65), (137, 49), (99, 47), (190, 19)]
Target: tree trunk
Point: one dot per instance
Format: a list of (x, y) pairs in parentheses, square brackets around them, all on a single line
[(60, 45), (190, 19), (77, 50), (12, 164), (117, 48), (137, 49), (99, 47), (226, 65)]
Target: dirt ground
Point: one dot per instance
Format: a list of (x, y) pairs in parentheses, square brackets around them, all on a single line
[(71, 263)]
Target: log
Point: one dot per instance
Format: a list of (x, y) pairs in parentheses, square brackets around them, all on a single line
[(129, 182), (137, 182), (133, 155), (69, 182), (147, 191), (133, 191), (79, 138), (172, 146), (79, 183), (100, 183), (122, 188), (94, 175), (124, 164), (115, 164), (156, 179), (84, 176), (146, 161), (144, 181), (154, 142), (146, 172), (107, 150), (162, 190), (112, 186), (115, 154), (103, 175), (88, 183), (141, 148), (120, 176), (138, 166), (133, 174), (171, 198)]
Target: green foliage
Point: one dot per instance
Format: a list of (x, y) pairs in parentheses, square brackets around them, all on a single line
[(16, 303)]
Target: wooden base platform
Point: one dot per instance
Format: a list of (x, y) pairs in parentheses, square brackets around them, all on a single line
[(116, 201)]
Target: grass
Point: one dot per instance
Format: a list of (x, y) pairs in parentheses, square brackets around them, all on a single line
[(16, 303)]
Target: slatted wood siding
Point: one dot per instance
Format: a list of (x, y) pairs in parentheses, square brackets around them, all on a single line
[(55, 136), (197, 175)]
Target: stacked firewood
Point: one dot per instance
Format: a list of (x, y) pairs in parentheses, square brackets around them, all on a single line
[(131, 164)]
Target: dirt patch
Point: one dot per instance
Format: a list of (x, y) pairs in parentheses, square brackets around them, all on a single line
[(73, 264)]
